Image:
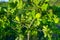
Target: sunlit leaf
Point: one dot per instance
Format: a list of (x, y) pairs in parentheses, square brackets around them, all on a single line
[(38, 15), (17, 18), (44, 7)]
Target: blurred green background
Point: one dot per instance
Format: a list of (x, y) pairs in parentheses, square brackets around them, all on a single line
[(16, 16)]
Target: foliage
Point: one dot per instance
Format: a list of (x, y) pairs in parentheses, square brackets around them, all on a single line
[(24, 20)]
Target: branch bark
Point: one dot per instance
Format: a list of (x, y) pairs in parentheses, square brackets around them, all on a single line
[(28, 34)]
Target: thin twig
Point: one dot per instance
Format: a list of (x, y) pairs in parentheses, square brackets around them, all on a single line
[(28, 34)]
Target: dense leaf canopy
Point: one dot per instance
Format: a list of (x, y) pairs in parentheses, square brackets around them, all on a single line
[(29, 20)]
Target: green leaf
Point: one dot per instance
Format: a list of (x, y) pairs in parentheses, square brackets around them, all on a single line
[(44, 7), (36, 1)]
